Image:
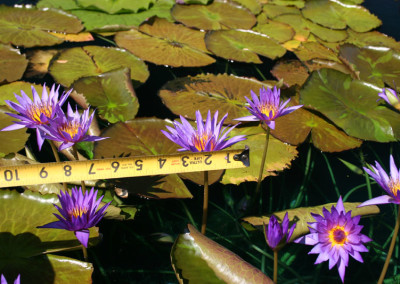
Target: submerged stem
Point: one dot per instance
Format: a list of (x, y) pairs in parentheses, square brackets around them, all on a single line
[(389, 254), (85, 254), (205, 204), (275, 266), (75, 152), (57, 157)]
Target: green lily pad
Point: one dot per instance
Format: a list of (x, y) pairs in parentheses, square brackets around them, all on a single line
[(30, 27), (272, 11), (195, 257), (101, 22), (111, 93), (243, 45), (311, 50), (377, 65), (373, 38), (280, 32), (279, 156), (7, 92), (216, 16), (350, 104), (75, 63), (165, 43), (41, 269), (12, 64), (302, 215), (115, 6), (253, 5), (223, 93), (333, 14), (142, 137), (25, 211), (326, 34), (295, 127), (296, 3)]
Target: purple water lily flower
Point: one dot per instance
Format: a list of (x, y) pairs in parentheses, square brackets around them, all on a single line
[(40, 111), (389, 184), (335, 236), (268, 107), (391, 97), (78, 212), (275, 233), (16, 281), (70, 128), (207, 137)]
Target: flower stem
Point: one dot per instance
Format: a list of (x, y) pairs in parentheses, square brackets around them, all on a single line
[(85, 254), (205, 204), (389, 254), (275, 266), (259, 181), (57, 157), (75, 152)]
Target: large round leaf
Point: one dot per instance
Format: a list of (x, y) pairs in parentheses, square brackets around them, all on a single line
[(137, 138), (79, 62), (312, 50), (216, 16), (243, 45), (223, 93), (292, 72), (302, 215), (111, 93), (12, 64), (195, 257), (115, 6), (279, 156), (25, 211), (165, 43), (351, 104), (335, 15), (30, 27), (373, 38), (272, 11), (377, 65), (280, 32)]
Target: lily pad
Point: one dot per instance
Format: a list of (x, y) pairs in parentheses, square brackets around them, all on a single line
[(204, 92), (243, 45), (80, 37), (279, 156), (30, 27), (295, 127), (216, 16), (12, 64), (111, 93), (292, 72), (165, 43), (115, 6), (335, 15), (377, 65), (302, 215), (39, 61), (311, 50), (253, 5), (373, 38), (297, 3), (351, 104), (272, 11), (137, 138), (75, 63), (25, 211), (280, 32), (195, 257)]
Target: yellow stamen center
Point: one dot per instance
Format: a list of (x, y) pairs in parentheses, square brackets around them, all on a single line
[(36, 110), (338, 235), (78, 212), (394, 185), (71, 128), (267, 109), (201, 141)]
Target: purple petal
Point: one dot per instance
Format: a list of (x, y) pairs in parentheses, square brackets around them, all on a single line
[(384, 199), (83, 237)]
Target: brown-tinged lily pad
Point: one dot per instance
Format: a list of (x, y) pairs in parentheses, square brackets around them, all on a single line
[(216, 16), (165, 43), (281, 32), (142, 137), (78, 62), (311, 50), (80, 37), (374, 64), (223, 93), (302, 215), (292, 72), (373, 38), (253, 5), (12, 64), (111, 93), (30, 27), (195, 257), (335, 15), (39, 61), (295, 127), (279, 155), (115, 6), (351, 104), (243, 45)]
